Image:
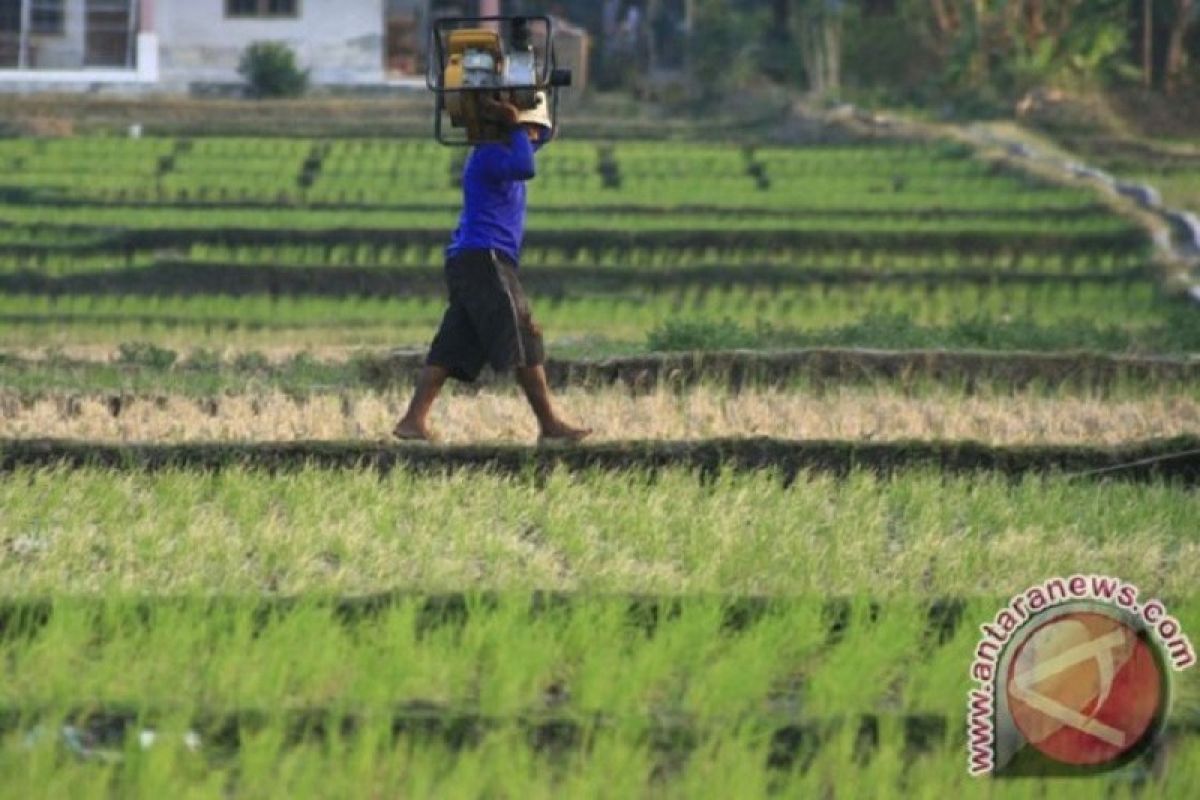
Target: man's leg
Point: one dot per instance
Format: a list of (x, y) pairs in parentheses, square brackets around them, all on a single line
[(455, 351), (537, 392), (415, 425)]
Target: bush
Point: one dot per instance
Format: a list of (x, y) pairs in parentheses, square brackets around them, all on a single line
[(1179, 333), (271, 70), (203, 360), (251, 362), (144, 354), (702, 334)]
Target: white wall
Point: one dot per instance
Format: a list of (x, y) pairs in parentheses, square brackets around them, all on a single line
[(341, 41), (66, 51)]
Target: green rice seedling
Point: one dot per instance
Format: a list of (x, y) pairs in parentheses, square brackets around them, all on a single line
[(611, 764), (743, 534)]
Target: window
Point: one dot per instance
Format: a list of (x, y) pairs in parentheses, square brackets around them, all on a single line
[(262, 8), (10, 16), (47, 17)]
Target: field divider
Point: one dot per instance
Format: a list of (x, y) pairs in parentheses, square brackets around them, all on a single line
[(1174, 460), (737, 368), (1174, 156), (734, 369), (26, 196), (693, 238), (575, 239), (181, 277)]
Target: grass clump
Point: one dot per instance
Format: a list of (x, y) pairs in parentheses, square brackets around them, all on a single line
[(1180, 332), (146, 356)]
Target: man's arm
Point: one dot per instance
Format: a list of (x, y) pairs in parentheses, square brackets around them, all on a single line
[(511, 163), (515, 162)]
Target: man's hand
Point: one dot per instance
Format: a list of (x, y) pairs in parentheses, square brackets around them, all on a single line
[(501, 110)]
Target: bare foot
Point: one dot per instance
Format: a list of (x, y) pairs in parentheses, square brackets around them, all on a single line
[(407, 431), (562, 432)]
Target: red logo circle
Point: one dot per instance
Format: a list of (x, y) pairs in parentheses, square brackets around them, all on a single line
[(1084, 687)]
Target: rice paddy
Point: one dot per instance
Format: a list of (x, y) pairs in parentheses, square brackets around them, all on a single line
[(499, 415), (693, 605)]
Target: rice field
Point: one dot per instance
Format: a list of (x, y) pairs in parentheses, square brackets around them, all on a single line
[(615, 414), (355, 532), (562, 622), (381, 173), (1171, 168), (441, 682), (1130, 316), (605, 763)]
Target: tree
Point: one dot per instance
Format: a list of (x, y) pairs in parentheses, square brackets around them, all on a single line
[(946, 18), (1183, 18), (1013, 45), (723, 46), (1148, 43), (819, 32)]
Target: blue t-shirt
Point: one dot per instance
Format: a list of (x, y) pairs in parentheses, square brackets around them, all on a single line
[(493, 215)]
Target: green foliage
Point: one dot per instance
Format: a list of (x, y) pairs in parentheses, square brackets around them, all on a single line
[(1181, 329), (1091, 46), (581, 696), (989, 56), (271, 70), (203, 359), (144, 354), (977, 58), (724, 47), (702, 334), (887, 56), (251, 362), (898, 331)]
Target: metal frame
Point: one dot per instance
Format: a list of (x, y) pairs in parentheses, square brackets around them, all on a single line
[(436, 69)]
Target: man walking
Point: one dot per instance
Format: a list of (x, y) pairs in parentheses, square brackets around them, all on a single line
[(489, 320)]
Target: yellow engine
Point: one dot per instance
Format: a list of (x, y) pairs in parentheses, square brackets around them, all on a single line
[(475, 60), (481, 59)]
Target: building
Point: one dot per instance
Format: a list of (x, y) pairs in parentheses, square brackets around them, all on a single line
[(176, 45)]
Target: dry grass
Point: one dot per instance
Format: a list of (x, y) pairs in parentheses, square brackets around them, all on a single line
[(501, 415), (106, 353)]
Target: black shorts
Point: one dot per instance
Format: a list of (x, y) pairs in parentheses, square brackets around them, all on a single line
[(488, 321)]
